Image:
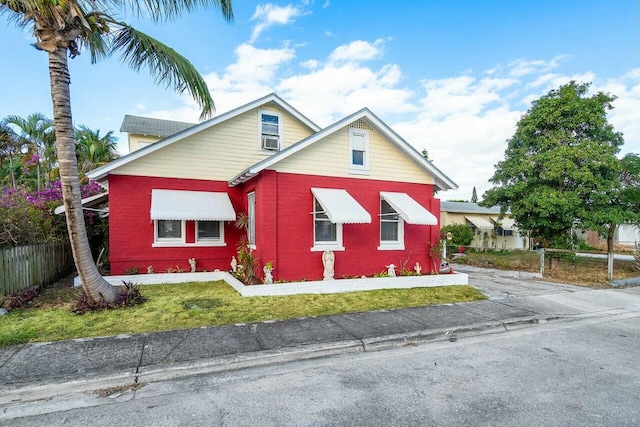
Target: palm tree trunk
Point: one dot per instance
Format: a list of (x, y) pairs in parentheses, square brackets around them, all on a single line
[(93, 283)]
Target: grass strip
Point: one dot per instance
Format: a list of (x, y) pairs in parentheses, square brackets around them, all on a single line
[(198, 304)]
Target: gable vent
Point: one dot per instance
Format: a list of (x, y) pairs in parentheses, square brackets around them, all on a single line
[(360, 124)]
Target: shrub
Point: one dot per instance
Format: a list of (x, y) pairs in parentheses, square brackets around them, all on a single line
[(129, 295), (461, 235)]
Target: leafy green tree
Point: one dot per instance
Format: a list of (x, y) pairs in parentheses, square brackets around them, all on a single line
[(474, 196), (94, 150), (36, 138), (460, 234), (560, 168), (64, 28)]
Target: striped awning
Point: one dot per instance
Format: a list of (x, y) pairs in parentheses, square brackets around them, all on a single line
[(409, 209), (480, 222), (191, 206), (340, 207)]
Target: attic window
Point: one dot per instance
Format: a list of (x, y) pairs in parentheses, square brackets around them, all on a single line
[(358, 151), (270, 131)]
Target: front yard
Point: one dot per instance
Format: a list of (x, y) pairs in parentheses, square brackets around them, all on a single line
[(198, 304)]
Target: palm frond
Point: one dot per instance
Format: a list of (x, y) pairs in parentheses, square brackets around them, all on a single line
[(165, 65), (168, 10)]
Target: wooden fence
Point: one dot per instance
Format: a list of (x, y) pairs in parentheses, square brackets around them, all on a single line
[(35, 265)]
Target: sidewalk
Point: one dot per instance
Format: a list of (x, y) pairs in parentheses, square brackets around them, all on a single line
[(35, 370)]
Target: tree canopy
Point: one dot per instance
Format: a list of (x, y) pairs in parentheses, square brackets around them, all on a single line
[(560, 168)]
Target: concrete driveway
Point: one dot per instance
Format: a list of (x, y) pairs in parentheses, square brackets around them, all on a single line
[(500, 284)]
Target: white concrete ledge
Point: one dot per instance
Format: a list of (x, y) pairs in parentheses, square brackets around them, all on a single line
[(295, 288)]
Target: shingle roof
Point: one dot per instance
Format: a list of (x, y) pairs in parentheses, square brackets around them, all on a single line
[(467, 207), (149, 126)]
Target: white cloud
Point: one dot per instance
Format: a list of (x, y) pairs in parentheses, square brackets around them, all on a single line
[(268, 15), (358, 51)]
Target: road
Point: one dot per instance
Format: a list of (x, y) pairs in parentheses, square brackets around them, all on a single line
[(583, 372)]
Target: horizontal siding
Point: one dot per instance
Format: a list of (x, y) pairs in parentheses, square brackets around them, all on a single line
[(330, 157), (217, 153), (135, 139)]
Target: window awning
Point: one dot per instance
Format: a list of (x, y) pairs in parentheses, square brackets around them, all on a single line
[(191, 206), (89, 203), (480, 222), (341, 207), (410, 210), (505, 223)]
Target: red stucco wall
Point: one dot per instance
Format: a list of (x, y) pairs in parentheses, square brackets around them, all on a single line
[(131, 229), (284, 226)]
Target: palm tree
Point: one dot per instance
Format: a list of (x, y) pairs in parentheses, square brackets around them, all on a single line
[(93, 150), (36, 135), (64, 28), (8, 149)]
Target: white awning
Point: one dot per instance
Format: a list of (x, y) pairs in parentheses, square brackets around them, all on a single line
[(191, 206), (410, 210), (88, 203), (341, 207), (505, 223), (480, 222)]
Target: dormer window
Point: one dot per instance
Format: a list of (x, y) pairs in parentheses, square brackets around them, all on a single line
[(270, 131)]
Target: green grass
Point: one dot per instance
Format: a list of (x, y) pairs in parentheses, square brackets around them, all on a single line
[(197, 304)]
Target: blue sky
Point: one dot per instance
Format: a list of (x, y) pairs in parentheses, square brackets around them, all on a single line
[(453, 77)]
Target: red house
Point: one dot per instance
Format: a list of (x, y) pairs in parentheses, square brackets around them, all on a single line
[(355, 188)]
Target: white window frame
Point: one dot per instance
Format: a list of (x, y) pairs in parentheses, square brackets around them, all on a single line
[(334, 245), (209, 241), (169, 241), (251, 212), (390, 245), (353, 168), (261, 134)]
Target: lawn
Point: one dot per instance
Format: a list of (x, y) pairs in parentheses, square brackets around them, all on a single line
[(569, 268), (197, 304)]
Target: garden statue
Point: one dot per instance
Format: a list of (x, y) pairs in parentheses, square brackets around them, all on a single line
[(328, 261), (150, 269), (418, 268), (234, 264), (192, 263), (391, 270), (268, 277)]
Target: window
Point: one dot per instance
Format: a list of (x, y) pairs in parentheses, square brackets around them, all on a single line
[(209, 232), (251, 209), (499, 231), (358, 151), (270, 131), (326, 234), (169, 231), (391, 227)]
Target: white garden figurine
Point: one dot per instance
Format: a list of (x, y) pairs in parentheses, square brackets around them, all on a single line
[(391, 270), (192, 263), (234, 264), (328, 261), (268, 276)]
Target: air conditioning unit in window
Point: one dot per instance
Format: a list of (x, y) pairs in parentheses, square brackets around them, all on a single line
[(270, 142)]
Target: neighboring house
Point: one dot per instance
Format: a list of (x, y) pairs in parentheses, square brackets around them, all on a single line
[(143, 131), (626, 235), (488, 230), (355, 188)]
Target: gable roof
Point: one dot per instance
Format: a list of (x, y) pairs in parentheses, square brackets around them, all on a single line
[(442, 182), (150, 126), (468, 207), (102, 172)]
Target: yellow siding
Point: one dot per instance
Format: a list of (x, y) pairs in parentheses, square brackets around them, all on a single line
[(136, 139), (330, 157), (217, 153)]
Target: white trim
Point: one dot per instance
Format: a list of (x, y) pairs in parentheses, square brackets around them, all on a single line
[(164, 242), (355, 168), (209, 241), (262, 135), (391, 245), (409, 209), (103, 171), (335, 245), (251, 212)]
